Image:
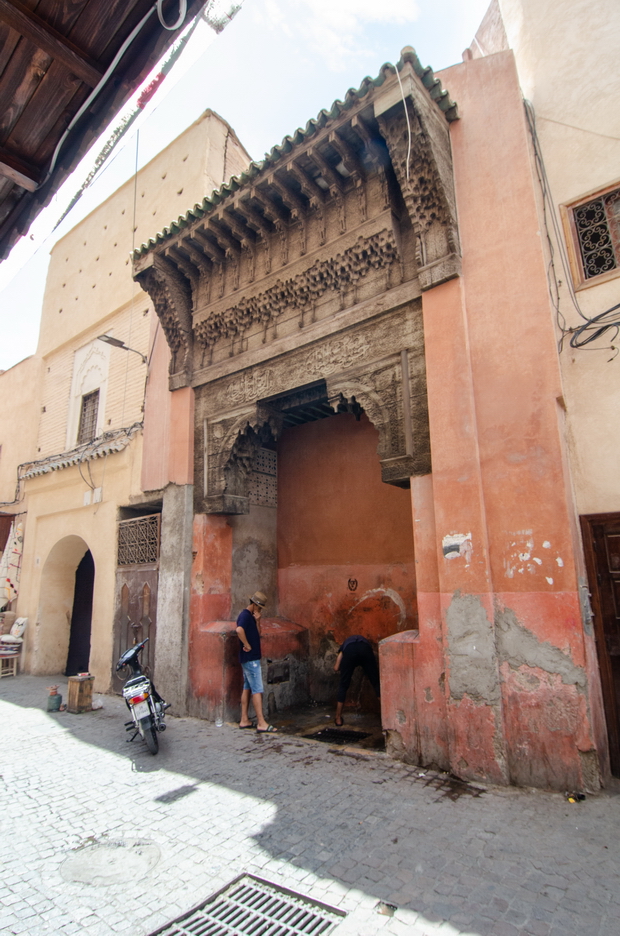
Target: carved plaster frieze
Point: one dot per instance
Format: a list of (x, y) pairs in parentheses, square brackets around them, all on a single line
[(384, 335), (172, 299), (300, 293), (362, 370)]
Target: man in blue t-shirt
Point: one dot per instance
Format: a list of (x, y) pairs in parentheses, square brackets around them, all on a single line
[(248, 632)]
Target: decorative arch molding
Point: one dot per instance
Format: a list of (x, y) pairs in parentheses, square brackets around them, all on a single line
[(230, 446), (230, 442), (380, 395)]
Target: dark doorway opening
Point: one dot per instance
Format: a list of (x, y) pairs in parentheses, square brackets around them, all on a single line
[(81, 617), (601, 538)]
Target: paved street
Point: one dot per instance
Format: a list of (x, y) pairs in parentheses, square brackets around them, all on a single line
[(100, 837)]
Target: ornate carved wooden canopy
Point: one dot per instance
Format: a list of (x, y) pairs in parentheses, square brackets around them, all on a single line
[(324, 246)]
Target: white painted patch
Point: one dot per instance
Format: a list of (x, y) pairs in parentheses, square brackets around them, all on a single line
[(536, 560), (524, 557), (455, 545), (389, 593), (559, 561), (546, 545), (550, 580)]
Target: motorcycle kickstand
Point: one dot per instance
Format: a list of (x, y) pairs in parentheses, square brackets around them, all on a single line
[(134, 735)]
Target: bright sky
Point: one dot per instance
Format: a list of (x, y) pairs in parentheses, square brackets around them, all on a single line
[(272, 69)]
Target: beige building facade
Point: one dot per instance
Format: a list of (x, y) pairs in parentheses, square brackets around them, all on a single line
[(72, 460)]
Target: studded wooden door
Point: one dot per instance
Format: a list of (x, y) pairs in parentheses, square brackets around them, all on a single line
[(135, 616)]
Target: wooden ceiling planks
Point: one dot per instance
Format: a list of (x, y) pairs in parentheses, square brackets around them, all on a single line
[(52, 55)]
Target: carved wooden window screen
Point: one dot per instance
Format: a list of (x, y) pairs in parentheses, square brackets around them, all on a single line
[(595, 235), (88, 417), (138, 540), (263, 482)]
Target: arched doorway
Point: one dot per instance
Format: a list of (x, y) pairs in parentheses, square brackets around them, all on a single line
[(81, 617), (60, 584)]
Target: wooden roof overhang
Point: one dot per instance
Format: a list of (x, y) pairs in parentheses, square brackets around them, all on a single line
[(310, 172), (54, 57)]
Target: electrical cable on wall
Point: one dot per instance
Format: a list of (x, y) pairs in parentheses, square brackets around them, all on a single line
[(402, 91), (593, 327)]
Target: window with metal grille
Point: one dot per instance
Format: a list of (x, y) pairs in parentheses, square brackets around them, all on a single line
[(138, 540), (88, 417), (595, 230), (263, 480)]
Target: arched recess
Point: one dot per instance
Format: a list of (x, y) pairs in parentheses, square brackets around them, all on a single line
[(53, 625)]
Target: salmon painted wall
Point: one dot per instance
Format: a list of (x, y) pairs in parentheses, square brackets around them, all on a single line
[(516, 690), (345, 542)]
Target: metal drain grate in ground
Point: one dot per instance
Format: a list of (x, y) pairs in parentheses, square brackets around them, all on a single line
[(338, 736), (252, 907)]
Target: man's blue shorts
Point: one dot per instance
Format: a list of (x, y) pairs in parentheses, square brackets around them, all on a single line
[(252, 676)]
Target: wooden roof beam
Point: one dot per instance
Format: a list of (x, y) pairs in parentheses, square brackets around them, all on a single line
[(213, 251), (242, 232), (290, 198), (259, 224), (333, 178), (308, 186), (272, 211), (20, 18), (19, 172), (173, 254), (224, 240), (352, 162), (201, 261)]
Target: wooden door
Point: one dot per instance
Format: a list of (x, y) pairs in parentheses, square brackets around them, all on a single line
[(601, 536), (78, 655), (135, 617)]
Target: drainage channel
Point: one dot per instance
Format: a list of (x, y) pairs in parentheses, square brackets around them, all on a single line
[(250, 906), (337, 736)]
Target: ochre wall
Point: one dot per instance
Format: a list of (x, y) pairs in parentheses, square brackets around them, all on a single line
[(338, 522), (519, 707)]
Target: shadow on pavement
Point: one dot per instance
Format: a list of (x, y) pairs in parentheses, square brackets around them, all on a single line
[(408, 836)]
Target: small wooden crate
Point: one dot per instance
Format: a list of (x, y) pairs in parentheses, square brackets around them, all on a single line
[(80, 698)]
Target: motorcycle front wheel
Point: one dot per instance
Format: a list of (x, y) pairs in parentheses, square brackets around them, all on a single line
[(149, 733)]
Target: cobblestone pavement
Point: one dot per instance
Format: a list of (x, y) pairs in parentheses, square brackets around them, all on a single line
[(354, 831)]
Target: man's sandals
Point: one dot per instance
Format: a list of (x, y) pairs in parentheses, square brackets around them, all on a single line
[(268, 730)]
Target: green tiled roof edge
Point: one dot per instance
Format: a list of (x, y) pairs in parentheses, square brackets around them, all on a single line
[(431, 83)]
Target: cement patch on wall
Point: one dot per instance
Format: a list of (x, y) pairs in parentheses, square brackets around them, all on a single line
[(471, 651), (518, 646)]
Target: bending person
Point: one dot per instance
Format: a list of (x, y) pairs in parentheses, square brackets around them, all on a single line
[(355, 651)]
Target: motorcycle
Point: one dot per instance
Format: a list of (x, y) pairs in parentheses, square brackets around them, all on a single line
[(147, 707)]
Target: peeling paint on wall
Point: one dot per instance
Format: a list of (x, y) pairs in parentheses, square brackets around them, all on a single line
[(457, 544), (521, 560)]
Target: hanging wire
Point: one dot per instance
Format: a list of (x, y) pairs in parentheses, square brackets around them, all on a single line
[(593, 327)]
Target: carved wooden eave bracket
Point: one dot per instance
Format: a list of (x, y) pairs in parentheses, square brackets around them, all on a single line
[(172, 299), (418, 139)]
